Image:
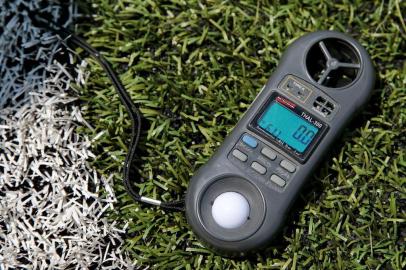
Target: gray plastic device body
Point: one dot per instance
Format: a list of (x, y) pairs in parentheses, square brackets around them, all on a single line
[(270, 200)]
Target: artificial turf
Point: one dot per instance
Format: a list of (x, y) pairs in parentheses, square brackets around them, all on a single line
[(193, 67)]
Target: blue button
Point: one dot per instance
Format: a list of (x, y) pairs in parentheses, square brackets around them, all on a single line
[(250, 141)]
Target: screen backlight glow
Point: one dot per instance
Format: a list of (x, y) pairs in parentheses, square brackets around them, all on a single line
[(287, 126)]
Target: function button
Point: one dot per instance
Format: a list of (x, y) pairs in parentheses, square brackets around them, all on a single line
[(268, 153), (250, 141), (287, 165), (278, 180), (258, 167), (240, 155)]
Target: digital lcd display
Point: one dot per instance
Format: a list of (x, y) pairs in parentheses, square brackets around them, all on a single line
[(287, 126)]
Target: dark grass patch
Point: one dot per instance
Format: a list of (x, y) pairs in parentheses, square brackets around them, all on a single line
[(194, 68)]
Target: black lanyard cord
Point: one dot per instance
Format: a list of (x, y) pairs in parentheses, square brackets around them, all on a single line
[(125, 98)]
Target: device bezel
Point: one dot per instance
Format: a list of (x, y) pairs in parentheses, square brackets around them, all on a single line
[(301, 157)]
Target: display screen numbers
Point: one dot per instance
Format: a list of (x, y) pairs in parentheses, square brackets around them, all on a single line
[(287, 126)]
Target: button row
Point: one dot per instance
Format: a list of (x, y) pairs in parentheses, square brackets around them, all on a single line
[(274, 178), (259, 168), (262, 170), (267, 152), (252, 142)]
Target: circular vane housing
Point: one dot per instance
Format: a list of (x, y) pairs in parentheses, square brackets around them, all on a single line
[(333, 63)]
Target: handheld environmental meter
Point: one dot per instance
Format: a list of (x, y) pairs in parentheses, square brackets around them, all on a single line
[(237, 202)]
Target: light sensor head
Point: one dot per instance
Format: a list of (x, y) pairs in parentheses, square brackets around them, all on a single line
[(230, 210)]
